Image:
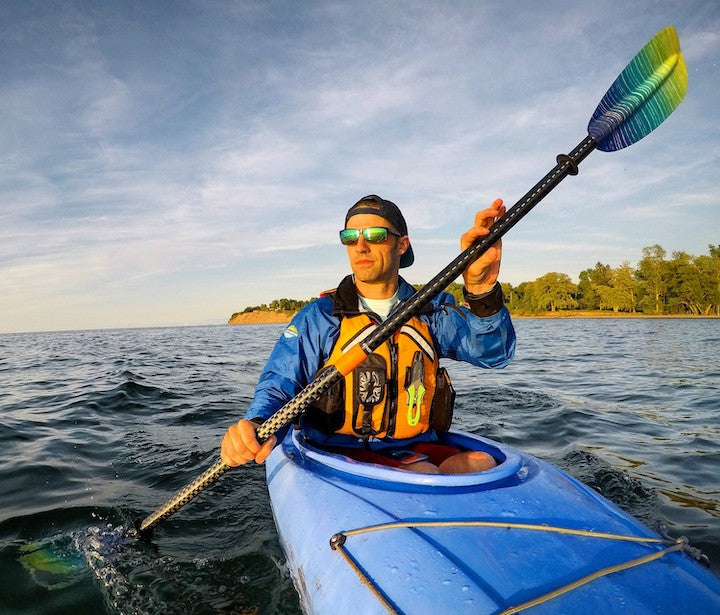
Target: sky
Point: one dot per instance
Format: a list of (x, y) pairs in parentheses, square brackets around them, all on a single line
[(172, 162)]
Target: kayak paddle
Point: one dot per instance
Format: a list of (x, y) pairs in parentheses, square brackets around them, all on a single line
[(646, 92)]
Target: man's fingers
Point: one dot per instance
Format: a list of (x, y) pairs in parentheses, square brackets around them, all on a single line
[(470, 236), (265, 451), (247, 433), (484, 219), (240, 445), (232, 451)]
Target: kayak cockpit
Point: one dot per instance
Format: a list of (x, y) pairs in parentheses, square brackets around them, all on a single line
[(511, 465)]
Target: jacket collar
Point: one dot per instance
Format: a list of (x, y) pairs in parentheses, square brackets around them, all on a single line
[(345, 297)]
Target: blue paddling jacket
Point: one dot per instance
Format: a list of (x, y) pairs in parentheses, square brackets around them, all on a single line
[(482, 335)]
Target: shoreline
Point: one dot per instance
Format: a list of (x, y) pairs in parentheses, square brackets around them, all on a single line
[(605, 314), (262, 317), (268, 317)]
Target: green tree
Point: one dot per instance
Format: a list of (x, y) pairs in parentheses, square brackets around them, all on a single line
[(685, 294), (553, 291), (456, 290), (652, 275), (510, 296), (710, 272), (590, 280), (695, 283), (522, 298), (707, 294), (621, 293)]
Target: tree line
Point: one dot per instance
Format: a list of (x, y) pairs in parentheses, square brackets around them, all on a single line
[(276, 305), (681, 285)]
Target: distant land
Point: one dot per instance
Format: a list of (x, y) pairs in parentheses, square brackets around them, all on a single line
[(262, 317), (683, 286), (271, 317)]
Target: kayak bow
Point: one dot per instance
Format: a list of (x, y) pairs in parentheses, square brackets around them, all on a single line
[(366, 538)]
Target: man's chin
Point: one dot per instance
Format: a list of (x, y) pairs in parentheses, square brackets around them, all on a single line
[(365, 274)]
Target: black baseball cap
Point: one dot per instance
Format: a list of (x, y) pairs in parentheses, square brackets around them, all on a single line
[(373, 204)]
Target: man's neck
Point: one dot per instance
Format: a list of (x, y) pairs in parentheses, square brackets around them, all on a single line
[(379, 307), (377, 290)]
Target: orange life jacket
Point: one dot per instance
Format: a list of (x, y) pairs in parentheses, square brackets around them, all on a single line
[(399, 391)]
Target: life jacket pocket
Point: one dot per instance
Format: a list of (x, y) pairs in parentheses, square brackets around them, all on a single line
[(328, 411), (369, 383), (443, 403)]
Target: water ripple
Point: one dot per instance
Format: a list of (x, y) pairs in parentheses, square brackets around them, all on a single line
[(100, 427)]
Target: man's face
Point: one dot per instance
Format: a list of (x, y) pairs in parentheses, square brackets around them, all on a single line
[(375, 263)]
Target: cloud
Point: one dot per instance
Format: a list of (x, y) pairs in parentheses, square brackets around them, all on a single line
[(703, 44), (185, 150)]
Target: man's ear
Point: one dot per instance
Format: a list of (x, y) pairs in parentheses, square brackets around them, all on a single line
[(403, 244)]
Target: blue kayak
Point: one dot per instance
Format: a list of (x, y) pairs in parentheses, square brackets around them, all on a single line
[(522, 537)]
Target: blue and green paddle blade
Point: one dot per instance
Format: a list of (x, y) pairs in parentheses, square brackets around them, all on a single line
[(643, 95), (54, 563)]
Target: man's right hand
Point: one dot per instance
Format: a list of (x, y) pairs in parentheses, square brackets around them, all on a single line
[(240, 445)]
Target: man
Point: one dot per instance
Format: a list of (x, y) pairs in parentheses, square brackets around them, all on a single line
[(400, 396)]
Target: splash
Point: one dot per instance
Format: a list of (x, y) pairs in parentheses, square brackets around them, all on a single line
[(111, 554), (53, 563), (133, 578)]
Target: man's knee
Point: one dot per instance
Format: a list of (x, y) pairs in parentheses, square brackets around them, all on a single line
[(421, 467), (467, 463)]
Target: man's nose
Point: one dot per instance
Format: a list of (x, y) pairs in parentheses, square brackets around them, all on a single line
[(362, 245)]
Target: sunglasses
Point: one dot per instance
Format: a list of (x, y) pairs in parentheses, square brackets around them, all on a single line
[(371, 234)]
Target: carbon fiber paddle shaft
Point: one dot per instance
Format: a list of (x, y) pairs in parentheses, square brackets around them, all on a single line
[(282, 417)]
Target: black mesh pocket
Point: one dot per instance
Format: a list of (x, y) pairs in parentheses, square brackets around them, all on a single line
[(441, 411)]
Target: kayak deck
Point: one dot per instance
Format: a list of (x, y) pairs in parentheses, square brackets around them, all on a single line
[(520, 533)]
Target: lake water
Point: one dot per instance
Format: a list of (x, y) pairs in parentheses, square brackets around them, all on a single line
[(98, 428)]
